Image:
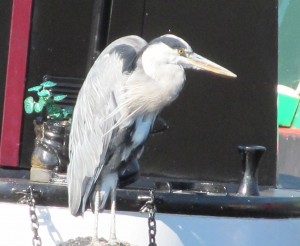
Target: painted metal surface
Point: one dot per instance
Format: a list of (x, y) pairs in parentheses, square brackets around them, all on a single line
[(191, 148), (184, 198), (59, 46), (5, 18), (15, 82), (288, 43), (288, 158)]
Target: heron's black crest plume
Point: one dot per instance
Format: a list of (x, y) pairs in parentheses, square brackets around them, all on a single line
[(171, 41)]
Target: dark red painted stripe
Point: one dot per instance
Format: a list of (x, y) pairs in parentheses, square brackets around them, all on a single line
[(15, 82)]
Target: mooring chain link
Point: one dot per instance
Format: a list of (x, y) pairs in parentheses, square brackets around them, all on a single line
[(28, 198), (152, 226), (36, 240), (150, 207)]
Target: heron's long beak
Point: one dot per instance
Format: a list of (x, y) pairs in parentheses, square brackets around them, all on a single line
[(199, 62)]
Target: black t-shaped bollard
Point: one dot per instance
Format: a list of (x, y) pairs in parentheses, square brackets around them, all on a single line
[(250, 156)]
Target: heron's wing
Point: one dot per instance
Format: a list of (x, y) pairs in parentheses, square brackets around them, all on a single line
[(95, 114)]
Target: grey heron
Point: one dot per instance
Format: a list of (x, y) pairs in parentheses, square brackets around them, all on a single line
[(127, 87)]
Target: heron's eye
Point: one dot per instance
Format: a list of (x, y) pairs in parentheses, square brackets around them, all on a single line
[(180, 51)]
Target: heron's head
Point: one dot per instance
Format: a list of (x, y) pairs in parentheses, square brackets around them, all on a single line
[(170, 49)]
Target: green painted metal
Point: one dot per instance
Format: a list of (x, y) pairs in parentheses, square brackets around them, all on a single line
[(288, 101), (288, 62), (289, 43)]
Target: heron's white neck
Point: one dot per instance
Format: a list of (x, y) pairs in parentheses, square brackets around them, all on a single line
[(167, 78), (155, 83)]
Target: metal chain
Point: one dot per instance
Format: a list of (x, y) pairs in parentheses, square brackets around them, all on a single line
[(152, 226), (36, 240), (28, 198), (151, 209)]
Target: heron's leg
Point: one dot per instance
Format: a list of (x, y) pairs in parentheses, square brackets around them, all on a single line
[(112, 236), (96, 214)]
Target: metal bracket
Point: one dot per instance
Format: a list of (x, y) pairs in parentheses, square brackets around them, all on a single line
[(26, 194)]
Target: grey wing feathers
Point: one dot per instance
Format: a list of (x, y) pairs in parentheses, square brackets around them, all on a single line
[(97, 99)]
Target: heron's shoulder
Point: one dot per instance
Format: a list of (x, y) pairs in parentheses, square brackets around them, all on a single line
[(126, 50), (132, 44)]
